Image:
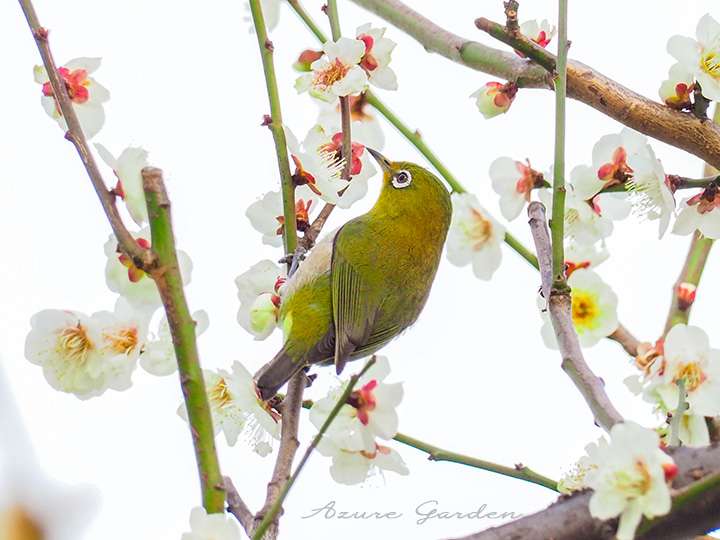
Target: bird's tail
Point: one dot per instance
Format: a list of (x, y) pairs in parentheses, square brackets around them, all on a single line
[(270, 378)]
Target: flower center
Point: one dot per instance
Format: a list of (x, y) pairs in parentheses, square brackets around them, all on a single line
[(710, 64), (76, 83), (124, 340), (584, 309), (617, 169), (634, 483), (74, 343), (706, 201), (17, 524), (135, 274), (364, 401), (692, 374), (219, 394), (334, 147), (480, 230), (328, 76)]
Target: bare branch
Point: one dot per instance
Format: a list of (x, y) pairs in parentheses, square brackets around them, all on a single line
[(290, 407), (237, 507), (559, 307), (629, 342)]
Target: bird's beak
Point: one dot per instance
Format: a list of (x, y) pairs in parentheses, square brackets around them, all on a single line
[(382, 160)]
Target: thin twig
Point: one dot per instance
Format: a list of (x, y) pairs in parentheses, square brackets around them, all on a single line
[(628, 342), (182, 328), (142, 258), (290, 409), (277, 505), (559, 307), (654, 119), (278, 132), (557, 224), (237, 507), (520, 472)]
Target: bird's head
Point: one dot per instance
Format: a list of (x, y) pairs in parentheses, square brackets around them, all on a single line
[(408, 187)]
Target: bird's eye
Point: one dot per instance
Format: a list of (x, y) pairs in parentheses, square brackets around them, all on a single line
[(402, 179)]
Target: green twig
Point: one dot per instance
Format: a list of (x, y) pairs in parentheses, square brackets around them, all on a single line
[(276, 127), (521, 472), (182, 328), (434, 453), (275, 508), (557, 222)]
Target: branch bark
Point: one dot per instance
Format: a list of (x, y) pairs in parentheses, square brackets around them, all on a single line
[(237, 507), (682, 130), (559, 307), (166, 274), (696, 508), (290, 408)]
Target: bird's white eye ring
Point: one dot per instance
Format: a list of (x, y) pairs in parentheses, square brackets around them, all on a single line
[(402, 179)]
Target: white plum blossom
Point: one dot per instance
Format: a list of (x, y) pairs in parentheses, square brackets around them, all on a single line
[(701, 56), (675, 91), (631, 479), (369, 412), (594, 309), (337, 73), (475, 237), (651, 193), (132, 283), (85, 355), (576, 479), (514, 182), (376, 58), (583, 224), (351, 467), (541, 33), (86, 94), (259, 295), (584, 256), (127, 168), (700, 213), (585, 185), (236, 409), (494, 98), (158, 354), (204, 526), (266, 214), (318, 166)]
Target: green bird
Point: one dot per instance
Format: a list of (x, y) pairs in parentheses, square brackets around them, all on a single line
[(365, 283)]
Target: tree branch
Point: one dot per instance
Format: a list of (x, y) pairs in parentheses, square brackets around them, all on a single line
[(290, 408), (141, 257), (520, 471), (656, 120), (275, 509), (626, 340), (168, 281), (695, 508), (237, 507), (278, 132), (559, 307)]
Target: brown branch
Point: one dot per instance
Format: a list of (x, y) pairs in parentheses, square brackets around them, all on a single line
[(237, 507), (143, 258), (682, 130), (313, 231), (569, 518), (559, 307), (290, 408), (629, 342)]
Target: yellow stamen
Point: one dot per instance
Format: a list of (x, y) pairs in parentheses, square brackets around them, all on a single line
[(74, 343), (693, 375), (220, 394), (480, 231), (584, 309), (124, 340), (710, 63), (16, 524), (636, 484)]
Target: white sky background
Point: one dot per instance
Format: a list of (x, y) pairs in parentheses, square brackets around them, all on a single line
[(186, 84)]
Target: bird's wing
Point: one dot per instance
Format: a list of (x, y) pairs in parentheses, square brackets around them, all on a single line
[(353, 304)]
